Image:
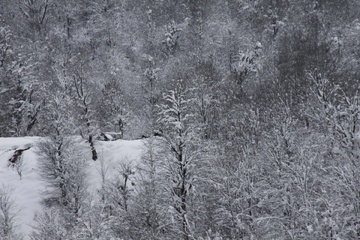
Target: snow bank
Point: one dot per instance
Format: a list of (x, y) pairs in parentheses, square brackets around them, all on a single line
[(27, 189)]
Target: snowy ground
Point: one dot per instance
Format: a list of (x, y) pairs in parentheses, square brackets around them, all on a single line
[(27, 190)]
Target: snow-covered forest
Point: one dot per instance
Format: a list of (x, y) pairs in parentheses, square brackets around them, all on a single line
[(179, 119)]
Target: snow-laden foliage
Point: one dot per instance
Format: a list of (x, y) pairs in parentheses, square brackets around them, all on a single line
[(15, 93), (246, 62), (8, 215), (258, 140), (62, 167), (171, 37), (82, 93)]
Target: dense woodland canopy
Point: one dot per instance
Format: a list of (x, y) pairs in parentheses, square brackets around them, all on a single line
[(254, 105)]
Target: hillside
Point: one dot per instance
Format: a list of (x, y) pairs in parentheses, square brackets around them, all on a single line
[(27, 190)]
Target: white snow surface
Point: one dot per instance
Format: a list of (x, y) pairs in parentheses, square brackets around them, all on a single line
[(27, 190)]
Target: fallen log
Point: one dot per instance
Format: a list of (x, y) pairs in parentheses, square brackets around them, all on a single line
[(17, 155)]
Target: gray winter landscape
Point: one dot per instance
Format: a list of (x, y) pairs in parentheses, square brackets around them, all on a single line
[(179, 119)]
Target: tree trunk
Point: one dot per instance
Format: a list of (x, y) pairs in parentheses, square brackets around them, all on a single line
[(93, 150)]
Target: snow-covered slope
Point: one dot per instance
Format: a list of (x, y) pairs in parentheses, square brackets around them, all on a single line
[(27, 189)]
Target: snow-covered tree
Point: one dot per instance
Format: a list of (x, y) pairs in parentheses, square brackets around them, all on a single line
[(35, 12), (151, 89), (18, 88), (49, 225), (8, 215), (171, 38), (179, 160), (237, 181), (84, 100), (341, 41), (114, 108), (341, 113), (205, 106), (243, 63), (63, 170), (148, 190), (119, 192), (12, 92)]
